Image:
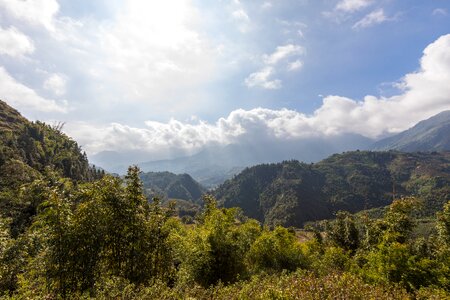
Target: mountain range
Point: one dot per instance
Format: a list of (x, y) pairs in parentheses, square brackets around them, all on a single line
[(288, 193), (167, 185), (291, 193), (215, 164), (432, 134)]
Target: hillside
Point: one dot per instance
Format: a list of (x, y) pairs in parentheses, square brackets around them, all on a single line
[(27, 151), (291, 193), (172, 186), (214, 165), (428, 135), (38, 146)]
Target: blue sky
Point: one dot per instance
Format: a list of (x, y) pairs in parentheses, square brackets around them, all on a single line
[(177, 75)]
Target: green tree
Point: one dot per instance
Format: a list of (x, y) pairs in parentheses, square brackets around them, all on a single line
[(274, 251), (342, 232), (218, 245)]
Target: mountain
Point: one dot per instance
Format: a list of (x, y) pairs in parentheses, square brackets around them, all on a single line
[(432, 134), (118, 162), (36, 145), (214, 165), (27, 151), (172, 186), (292, 193)]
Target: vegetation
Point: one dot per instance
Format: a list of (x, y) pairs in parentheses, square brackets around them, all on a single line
[(70, 234), (292, 193), (171, 186), (28, 151), (104, 240)]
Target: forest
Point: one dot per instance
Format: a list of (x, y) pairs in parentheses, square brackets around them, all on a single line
[(104, 240)]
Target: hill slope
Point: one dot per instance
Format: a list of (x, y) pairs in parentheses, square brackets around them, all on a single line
[(214, 165), (291, 193), (172, 186), (27, 149), (38, 146), (432, 134)]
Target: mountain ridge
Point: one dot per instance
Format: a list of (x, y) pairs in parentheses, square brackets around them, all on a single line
[(431, 134), (291, 193)]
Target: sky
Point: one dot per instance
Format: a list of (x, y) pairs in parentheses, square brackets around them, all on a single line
[(173, 77)]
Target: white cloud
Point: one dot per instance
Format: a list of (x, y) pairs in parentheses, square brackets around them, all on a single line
[(373, 18), (35, 12), (352, 5), (242, 19), (424, 93), (240, 15), (135, 54), (283, 52), (56, 83), (14, 43), (24, 98), (262, 79), (295, 65), (150, 46)]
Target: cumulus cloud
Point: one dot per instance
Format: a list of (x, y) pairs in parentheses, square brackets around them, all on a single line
[(14, 43), (56, 83), (283, 52), (371, 19), (34, 12), (352, 5), (263, 77), (295, 65), (25, 98), (423, 94)]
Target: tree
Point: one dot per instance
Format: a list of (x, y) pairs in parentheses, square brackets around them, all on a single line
[(218, 245), (343, 232), (274, 251)]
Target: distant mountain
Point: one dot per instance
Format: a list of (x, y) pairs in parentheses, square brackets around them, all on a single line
[(432, 134), (171, 186), (117, 162), (292, 193), (214, 165)]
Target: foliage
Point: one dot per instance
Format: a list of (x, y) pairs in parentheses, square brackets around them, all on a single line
[(275, 251), (171, 186), (30, 151), (343, 232), (218, 244), (292, 193)]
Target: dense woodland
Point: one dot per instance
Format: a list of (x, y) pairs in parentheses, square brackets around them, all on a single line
[(292, 193), (69, 231), (105, 240)]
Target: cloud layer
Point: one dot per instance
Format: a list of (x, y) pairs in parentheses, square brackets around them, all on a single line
[(421, 94)]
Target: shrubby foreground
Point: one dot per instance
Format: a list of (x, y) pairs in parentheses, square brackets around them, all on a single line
[(105, 240)]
